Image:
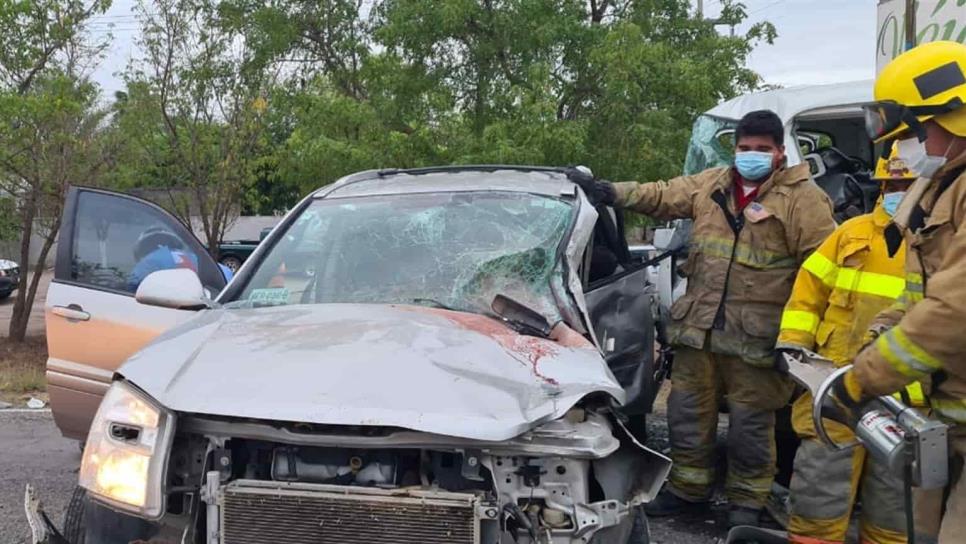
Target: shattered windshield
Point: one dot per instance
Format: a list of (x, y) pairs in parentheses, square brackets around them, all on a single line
[(712, 144), (447, 250)]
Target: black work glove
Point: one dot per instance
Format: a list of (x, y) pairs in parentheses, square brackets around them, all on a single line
[(598, 191), (845, 400), (781, 365)]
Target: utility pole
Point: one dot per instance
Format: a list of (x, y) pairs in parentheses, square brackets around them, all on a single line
[(910, 24), (700, 9)]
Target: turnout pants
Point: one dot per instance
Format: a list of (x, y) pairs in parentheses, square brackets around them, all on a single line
[(701, 380), (826, 483), (940, 514)]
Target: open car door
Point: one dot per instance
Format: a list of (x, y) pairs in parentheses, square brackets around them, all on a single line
[(622, 304), (108, 243)]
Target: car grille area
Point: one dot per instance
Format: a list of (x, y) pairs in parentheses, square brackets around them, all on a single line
[(260, 511)]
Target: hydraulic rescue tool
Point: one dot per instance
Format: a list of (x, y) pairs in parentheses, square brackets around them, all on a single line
[(911, 445)]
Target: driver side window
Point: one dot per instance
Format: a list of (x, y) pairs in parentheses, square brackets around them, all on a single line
[(116, 242)]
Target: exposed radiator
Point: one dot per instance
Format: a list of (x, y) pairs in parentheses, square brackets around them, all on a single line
[(296, 513)]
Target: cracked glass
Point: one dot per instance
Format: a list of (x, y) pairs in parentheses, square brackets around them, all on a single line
[(712, 144), (445, 250)]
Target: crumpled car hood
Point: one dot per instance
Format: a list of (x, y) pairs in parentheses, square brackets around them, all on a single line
[(428, 370)]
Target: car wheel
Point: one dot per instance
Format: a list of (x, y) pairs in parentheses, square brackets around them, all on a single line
[(5, 295), (233, 263), (74, 517)]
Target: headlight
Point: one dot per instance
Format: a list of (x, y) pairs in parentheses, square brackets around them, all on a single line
[(126, 451)]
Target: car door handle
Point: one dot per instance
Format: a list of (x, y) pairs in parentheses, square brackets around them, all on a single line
[(72, 312)]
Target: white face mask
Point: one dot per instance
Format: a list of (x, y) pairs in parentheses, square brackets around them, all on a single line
[(913, 153)]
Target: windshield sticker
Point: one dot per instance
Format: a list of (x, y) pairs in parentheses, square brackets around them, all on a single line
[(272, 296)]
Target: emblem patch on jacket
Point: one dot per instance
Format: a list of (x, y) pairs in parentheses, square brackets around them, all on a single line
[(755, 212)]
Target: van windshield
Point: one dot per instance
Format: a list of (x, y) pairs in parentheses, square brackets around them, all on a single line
[(449, 250), (712, 144)]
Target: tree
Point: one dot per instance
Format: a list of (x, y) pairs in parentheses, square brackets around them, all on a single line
[(194, 112), (48, 137), (614, 84)]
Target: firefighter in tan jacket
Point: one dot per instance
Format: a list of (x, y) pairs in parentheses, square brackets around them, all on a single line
[(920, 101), (754, 225)]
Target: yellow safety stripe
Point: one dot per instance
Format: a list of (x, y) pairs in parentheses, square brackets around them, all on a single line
[(914, 288), (916, 395), (954, 409), (745, 254), (869, 283), (800, 320), (692, 475), (753, 485), (904, 355), (822, 268)]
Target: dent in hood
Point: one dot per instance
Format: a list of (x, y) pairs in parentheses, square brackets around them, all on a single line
[(428, 370)]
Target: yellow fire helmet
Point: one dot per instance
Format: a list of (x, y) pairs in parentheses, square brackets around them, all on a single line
[(893, 168), (926, 82)]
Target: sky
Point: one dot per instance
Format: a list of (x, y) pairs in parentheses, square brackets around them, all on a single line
[(819, 41)]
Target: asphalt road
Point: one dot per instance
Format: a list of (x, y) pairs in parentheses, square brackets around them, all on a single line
[(32, 450)]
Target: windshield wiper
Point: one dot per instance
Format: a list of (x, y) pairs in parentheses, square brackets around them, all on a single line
[(520, 317), (434, 303)]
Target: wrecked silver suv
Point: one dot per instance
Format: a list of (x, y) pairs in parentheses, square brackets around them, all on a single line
[(444, 355)]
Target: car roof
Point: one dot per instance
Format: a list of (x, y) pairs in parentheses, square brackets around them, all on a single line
[(523, 179), (789, 103)]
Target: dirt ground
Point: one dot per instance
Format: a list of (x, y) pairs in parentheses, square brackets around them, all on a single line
[(22, 370)]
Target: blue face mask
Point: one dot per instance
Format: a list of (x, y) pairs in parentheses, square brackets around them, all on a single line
[(890, 202), (753, 165)]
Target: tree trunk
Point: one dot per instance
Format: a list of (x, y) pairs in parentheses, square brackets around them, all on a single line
[(36, 273), (21, 310)]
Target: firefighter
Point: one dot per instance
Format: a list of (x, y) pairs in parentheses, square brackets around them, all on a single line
[(920, 100), (754, 225), (839, 290)]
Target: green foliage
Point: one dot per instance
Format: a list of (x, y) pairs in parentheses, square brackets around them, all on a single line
[(614, 84)]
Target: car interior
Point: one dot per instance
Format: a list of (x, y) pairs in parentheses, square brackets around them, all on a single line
[(841, 159)]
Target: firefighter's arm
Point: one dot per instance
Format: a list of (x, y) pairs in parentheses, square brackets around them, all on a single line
[(664, 200), (929, 335), (810, 222), (806, 306), (888, 318)]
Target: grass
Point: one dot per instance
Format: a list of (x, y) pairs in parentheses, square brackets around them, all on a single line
[(22, 368)]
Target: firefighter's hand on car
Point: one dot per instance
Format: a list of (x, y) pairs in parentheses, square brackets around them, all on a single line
[(598, 191)]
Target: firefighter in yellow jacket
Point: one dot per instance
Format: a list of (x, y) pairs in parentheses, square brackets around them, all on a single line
[(839, 290), (920, 99), (754, 225)]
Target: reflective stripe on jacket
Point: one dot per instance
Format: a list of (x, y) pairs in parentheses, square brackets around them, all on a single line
[(841, 288), (929, 336), (737, 285)]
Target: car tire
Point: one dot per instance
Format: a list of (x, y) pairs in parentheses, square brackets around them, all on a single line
[(73, 529), (5, 295), (232, 262)]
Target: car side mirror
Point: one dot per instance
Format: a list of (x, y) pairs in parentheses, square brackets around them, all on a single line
[(521, 317), (177, 288)]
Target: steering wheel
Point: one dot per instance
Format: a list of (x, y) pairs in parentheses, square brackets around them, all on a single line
[(838, 162)]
